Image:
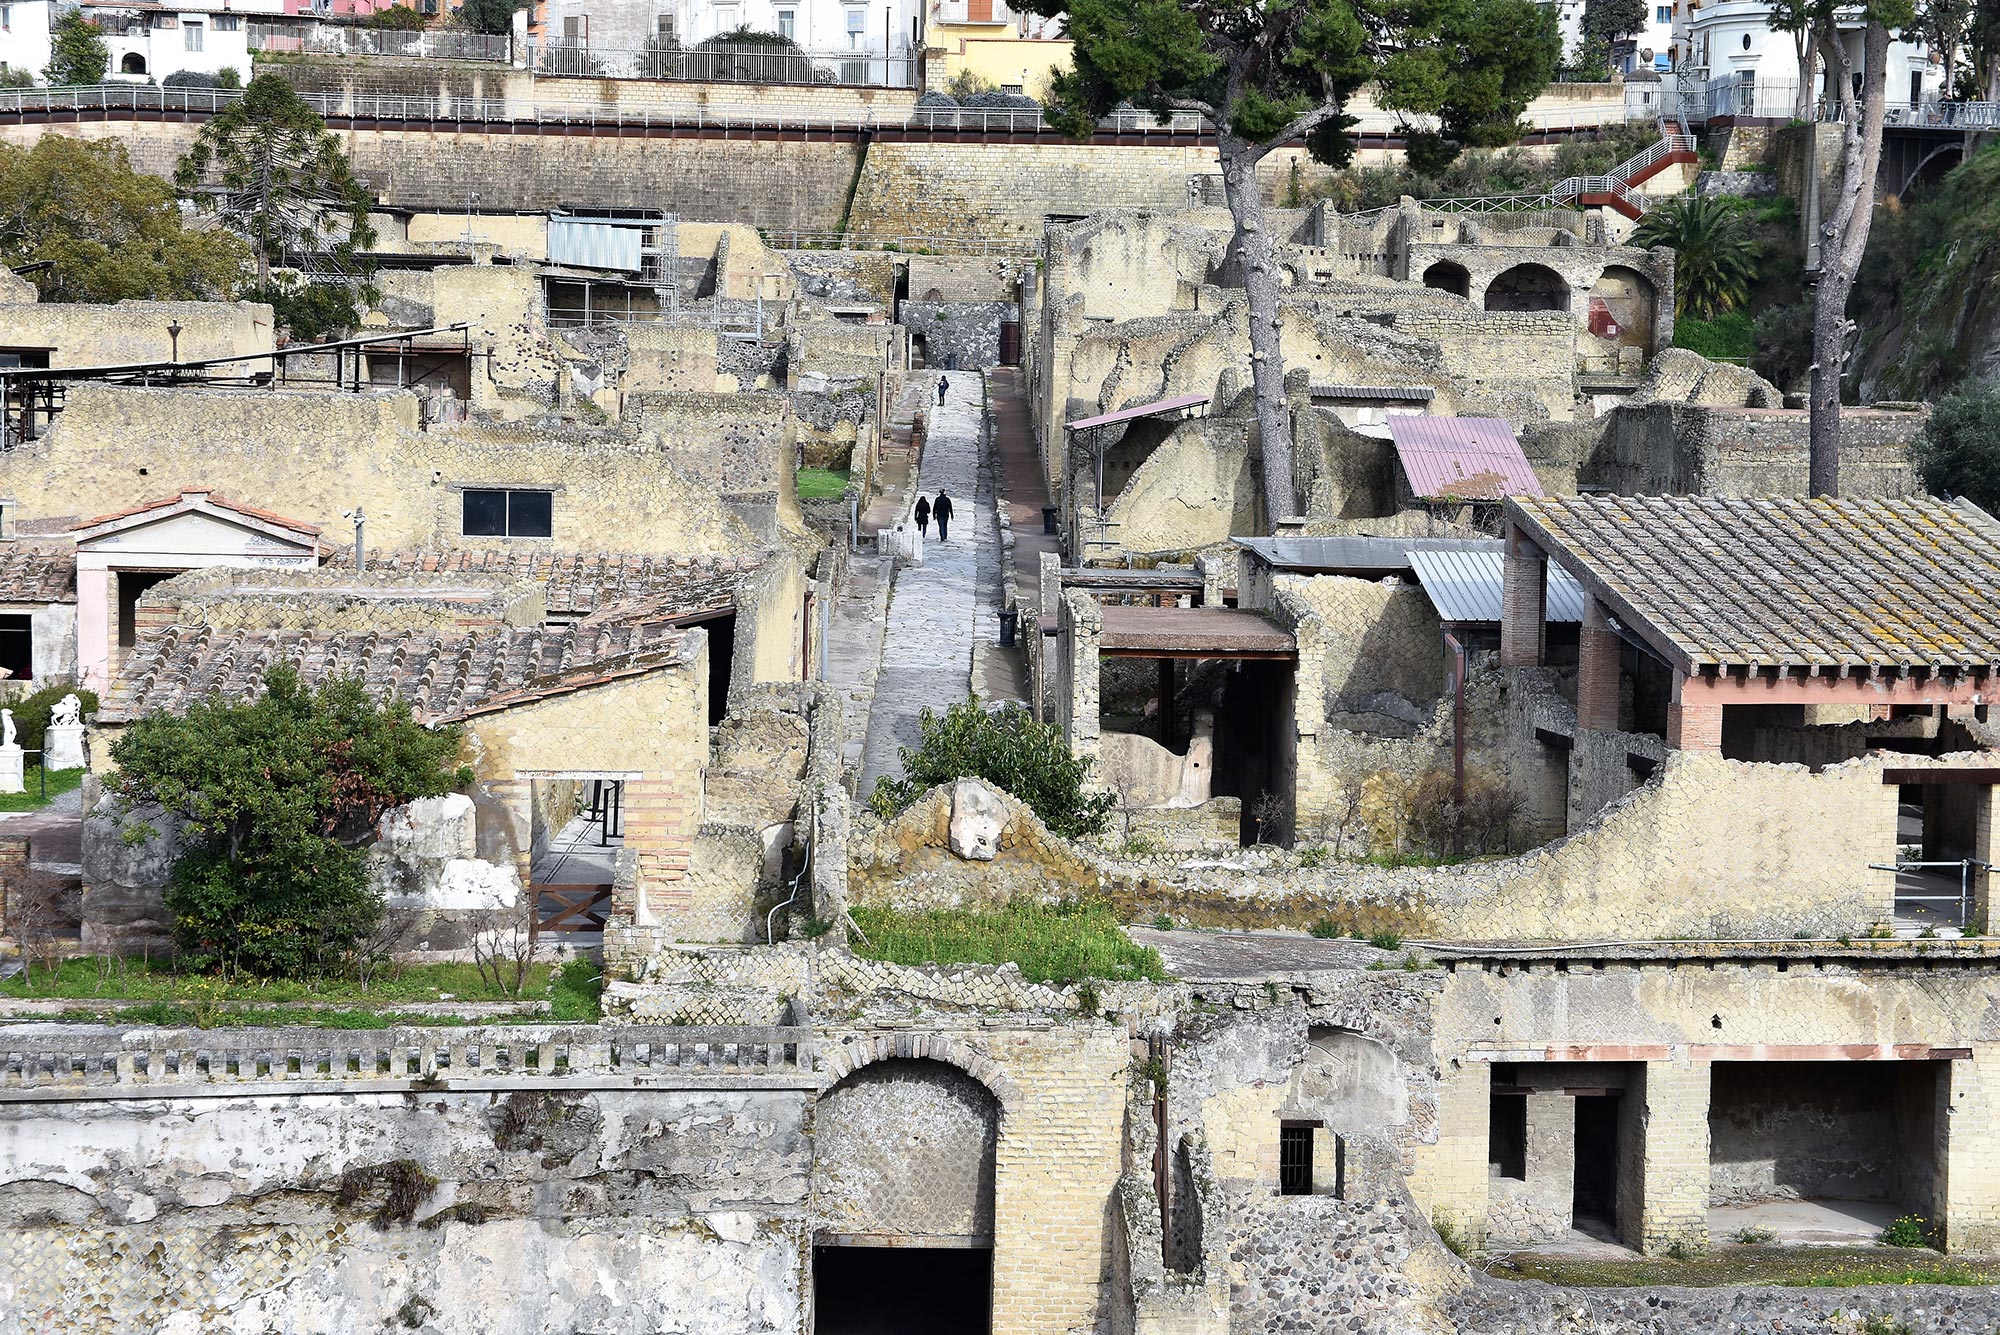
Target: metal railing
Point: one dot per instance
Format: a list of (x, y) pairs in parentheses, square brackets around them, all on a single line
[(1964, 896), (341, 40), (1729, 97), (723, 62)]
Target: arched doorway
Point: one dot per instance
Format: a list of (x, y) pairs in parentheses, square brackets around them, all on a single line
[(1528, 287), (1622, 308), (1449, 276), (133, 63), (902, 1201)]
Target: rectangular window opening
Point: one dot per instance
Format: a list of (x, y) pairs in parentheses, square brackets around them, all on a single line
[(192, 32), (1507, 1136), (495, 513), (1295, 1159), (788, 23)]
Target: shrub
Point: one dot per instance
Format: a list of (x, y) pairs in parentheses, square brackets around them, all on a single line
[(190, 79), (1959, 450), (397, 18), (1730, 337), (1326, 929), (1385, 941), (310, 312), (228, 77), (31, 712), (1754, 1237), (1907, 1231), (1441, 825), (1008, 749), (276, 795)]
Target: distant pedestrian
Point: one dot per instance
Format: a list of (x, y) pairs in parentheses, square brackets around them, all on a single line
[(941, 511), (924, 517), (942, 382)]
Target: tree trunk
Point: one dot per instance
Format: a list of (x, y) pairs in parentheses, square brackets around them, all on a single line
[(1843, 239), (1256, 260), (1803, 44)]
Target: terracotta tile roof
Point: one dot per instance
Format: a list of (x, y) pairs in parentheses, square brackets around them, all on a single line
[(37, 573), (443, 676), (1785, 582), (196, 494), (582, 583)]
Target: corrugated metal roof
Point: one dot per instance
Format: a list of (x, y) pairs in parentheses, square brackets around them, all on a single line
[(1376, 393), (1462, 458), (594, 245), (1357, 554), (1158, 408), (1464, 585)]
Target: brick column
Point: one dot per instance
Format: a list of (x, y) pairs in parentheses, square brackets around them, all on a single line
[(1671, 1124), (1986, 848), (1599, 651), (1694, 718), (1523, 602), (1967, 1177), (1450, 1182)]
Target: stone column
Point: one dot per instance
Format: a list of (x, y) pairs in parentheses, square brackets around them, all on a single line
[(1694, 718), (1599, 651), (1986, 848), (1967, 1185), (1552, 1161), (1671, 1116), (1051, 583), (1079, 627), (1523, 602)]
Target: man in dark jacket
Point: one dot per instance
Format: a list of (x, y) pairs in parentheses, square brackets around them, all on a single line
[(941, 511), (923, 516), (942, 382)]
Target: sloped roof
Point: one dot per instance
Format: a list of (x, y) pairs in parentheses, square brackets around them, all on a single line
[(1349, 552), (1721, 582), (1464, 584), (1462, 458), (444, 677), (582, 583), (188, 500), (37, 573)]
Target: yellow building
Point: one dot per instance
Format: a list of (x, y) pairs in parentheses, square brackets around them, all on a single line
[(995, 43)]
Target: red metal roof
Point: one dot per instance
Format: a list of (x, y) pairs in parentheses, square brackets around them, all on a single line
[(1157, 409), (1462, 458)]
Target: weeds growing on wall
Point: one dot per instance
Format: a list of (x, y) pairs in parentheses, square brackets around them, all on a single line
[(1052, 943)]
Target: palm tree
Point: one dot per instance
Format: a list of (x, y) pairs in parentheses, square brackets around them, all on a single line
[(1715, 258)]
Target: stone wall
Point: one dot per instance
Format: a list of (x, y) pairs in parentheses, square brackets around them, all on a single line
[(1688, 449), (81, 334), (311, 456), (957, 335), (904, 1149)]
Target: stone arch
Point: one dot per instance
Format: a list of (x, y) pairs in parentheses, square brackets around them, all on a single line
[(1930, 168), (1449, 276), (1528, 287), (843, 1059), (132, 63), (904, 1153), (1623, 307)]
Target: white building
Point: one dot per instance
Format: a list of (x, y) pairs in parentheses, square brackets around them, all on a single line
[(152, 41), (1729, 48), (849, 41), (1648, 48), (24, 35)]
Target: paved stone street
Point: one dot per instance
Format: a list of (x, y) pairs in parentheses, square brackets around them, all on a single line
[(941, 609)]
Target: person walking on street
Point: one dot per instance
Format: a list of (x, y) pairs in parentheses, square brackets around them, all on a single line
[(942, 382), (941, 511), (924, 517)]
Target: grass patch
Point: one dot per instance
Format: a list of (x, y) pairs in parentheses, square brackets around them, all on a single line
[(174, 1015), (89, 978), (1790, 1267), (1731, 336), (821, 484), (576, 993), (1053, 943), (59, 781)]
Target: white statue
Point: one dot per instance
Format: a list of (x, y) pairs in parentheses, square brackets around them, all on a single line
[(6, 727), (68, 712)]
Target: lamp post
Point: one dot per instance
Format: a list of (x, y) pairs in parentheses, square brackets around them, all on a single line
[(174, 338)]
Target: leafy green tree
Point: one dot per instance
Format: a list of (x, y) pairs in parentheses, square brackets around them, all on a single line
[(268, 168), (1945, 26), (1269, 72), (1715, 257), (1608, 20), (109, 233), (495, 17), (77, 54), (276, 794), (1959, 451), (397, 18), (1008, 749), (310, 312)]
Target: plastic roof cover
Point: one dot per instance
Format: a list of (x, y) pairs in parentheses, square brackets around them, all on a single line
[(1462, 458)]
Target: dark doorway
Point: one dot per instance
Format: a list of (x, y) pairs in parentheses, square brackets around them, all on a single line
[(721, 663), (1596, 1190), (902, 1290), (1447, 276), (17, 647)]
